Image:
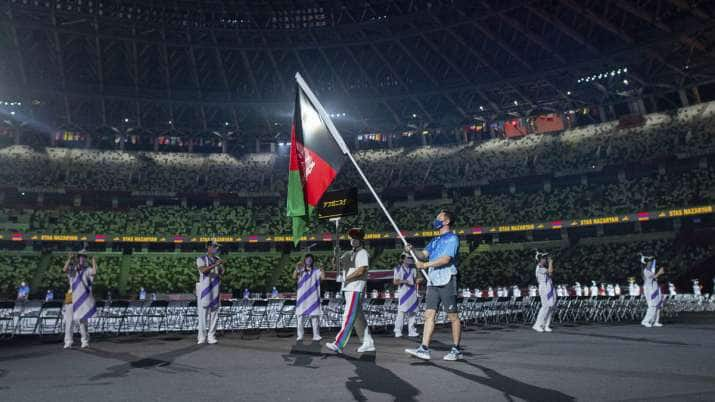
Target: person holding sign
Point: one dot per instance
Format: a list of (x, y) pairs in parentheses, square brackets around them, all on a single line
[(547, 293), (652, 292), (208, 293), (307, 302), (441, 255), (405, 277), (79, 302), (354, 285)]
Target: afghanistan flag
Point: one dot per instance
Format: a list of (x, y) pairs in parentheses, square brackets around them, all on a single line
[(315, 160)]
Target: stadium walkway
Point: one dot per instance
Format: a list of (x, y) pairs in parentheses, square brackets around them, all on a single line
[(590, 363)]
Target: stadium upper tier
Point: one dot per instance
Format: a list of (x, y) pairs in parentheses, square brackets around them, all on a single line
[(685, 133), (680, 184)]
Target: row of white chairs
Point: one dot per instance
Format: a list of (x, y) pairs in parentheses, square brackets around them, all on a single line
[(133, 317)]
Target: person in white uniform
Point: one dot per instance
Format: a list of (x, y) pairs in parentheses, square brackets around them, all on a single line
[(671, 289), (354, 287), (307, 304), (404, 276), (208, 302), (697, 289), (544, 272), (652, 293), (79, 303)]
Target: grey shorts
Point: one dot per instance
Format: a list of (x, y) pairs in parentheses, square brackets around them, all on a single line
[(445, 295)]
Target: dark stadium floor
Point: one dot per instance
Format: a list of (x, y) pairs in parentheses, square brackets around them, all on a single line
[(624, 362)]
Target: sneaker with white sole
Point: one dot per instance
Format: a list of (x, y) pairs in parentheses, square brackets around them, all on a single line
[(537, 328), (420, 353), (332, 346), (453, 355), (366, 348)]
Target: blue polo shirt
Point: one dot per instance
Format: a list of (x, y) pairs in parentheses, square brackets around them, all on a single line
[(444, 245)]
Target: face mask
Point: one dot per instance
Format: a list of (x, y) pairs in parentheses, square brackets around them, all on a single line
[(354, 243), (437, 224)]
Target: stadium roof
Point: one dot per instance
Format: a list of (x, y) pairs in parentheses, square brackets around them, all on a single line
[(210, 65)]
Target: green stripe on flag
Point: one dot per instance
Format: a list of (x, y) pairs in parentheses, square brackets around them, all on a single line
[(298, 209)]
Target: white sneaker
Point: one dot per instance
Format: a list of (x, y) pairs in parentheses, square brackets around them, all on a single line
[(547, 329), (85, 345), (317, 338), (419, 353), (453, 355), (537, 328), (212, 341), (366, 348), (657, 324), (332, 346)]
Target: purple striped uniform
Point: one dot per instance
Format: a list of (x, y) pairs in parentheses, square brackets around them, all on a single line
[(308, 297)]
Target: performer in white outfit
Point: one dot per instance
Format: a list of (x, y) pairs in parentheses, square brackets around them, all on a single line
[(404, 276), (208, 293), (671, 289), (697, 289), (79, 302), (354, 285), (578, 290), (307, 302), (516, 291), (547, 293), (652, 293)]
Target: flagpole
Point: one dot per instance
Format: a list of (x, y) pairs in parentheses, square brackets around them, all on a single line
[(343, 147)]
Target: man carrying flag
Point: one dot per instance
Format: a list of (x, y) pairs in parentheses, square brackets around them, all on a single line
[(316, 155)]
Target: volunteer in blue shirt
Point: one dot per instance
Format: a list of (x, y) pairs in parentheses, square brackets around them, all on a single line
[(441, 265)]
